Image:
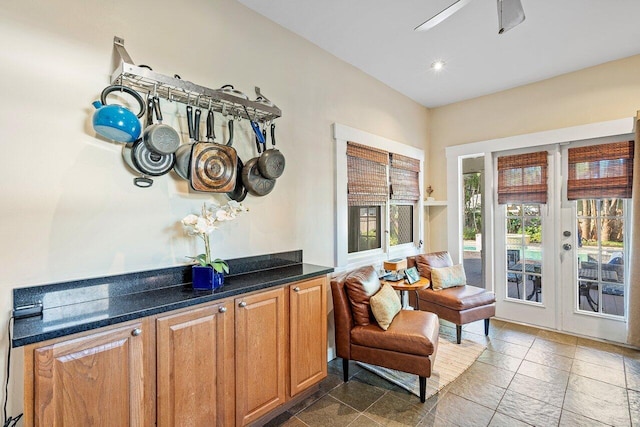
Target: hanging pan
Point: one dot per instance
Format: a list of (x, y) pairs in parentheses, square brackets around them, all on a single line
[(213, 166), (256, 184), (159, 137), (271, 163), (183, 153)]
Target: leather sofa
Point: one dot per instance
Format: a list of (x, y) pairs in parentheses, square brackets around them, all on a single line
[(460, 304), (409, 344)]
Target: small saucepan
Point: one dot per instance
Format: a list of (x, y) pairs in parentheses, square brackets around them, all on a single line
[(256, 184), (114, 121), (271, 163), (159, 137)]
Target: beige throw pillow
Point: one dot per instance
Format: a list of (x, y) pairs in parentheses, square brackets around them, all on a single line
[(385, 305), (448, 277)]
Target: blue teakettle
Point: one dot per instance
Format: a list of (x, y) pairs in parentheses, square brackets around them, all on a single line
[(115, 121)]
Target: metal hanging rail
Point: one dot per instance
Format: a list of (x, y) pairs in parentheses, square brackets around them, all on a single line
[(146, 81)]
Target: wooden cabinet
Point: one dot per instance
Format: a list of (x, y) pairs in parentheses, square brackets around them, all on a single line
[(260, 354), (101, 379), (217, 364), (195, 369), (308, 334)]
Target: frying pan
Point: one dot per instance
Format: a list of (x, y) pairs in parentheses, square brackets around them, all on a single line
[(271, 163), (214, 166), (183, 153), (160, 138), (239, 192), (256, 184)]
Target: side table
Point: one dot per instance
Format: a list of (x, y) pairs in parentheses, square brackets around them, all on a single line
[(404, 287)]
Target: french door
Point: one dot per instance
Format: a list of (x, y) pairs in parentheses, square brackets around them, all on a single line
[(563, 265)]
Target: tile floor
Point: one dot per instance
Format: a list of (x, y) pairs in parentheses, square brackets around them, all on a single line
[(526, 376)]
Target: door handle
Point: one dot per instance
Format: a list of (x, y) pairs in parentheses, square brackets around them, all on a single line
[(566, 247)]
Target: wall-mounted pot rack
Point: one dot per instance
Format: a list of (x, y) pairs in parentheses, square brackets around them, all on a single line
[(175, 89)]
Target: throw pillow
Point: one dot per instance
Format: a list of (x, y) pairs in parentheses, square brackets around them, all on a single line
[(385, 305), (448, 277), (426, 262), (361, 284)]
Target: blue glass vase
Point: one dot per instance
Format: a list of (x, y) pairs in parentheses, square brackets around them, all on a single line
[(202, 277)]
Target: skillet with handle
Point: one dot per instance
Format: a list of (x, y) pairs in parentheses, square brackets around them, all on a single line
[(271, 163)]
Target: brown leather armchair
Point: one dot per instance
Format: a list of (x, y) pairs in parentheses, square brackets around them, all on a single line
[(460, 304), (409, 344)]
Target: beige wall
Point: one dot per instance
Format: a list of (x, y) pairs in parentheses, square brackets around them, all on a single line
[(605, 92), (69, 209)]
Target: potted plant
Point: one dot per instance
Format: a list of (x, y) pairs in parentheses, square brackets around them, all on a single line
[(209, 273)]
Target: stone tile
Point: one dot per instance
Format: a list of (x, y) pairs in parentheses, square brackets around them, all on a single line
[(306, 402), (330, 382), (632, 372), (430, 420), (515, 337), (500, 360), (285, 419), (502, 420), (477, 390), (558, 337), (597, 372), (368, 377), (566, 350), (630, 353), (552, 394), (328, 412), (603, 358), (505, 347), (600, 345), (490, 374), (356, 394), (634, 407), (529, 410), (544, 373), (525, 329), (392, 411), (569, 419), (363, 421), (462, 412), (335, 367), (549, 359), (606, 392), (592, 407)]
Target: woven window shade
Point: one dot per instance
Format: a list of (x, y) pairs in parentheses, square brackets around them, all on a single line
[(522, 178), (600, 171), (404, 174), (366, 175)]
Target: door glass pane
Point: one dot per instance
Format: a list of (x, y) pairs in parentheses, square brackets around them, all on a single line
[(600, 228), (524, 252)]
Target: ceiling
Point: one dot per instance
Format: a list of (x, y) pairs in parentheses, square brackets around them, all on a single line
[(376, 36)]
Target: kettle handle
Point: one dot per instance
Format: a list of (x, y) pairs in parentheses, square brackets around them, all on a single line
[(125, 89)]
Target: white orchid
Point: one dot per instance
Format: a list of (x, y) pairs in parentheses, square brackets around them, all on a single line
[(203, 225)]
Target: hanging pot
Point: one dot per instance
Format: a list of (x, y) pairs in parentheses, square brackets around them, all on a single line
[(114, 121), (256, 184), (271, 162), (183, 153), (159, 137), (214, 166)]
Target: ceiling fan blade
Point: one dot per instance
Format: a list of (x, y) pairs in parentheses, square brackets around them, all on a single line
[(510, 14), (439, 17)]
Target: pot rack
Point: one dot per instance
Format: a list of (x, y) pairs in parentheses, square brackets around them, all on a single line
[(147, 81)]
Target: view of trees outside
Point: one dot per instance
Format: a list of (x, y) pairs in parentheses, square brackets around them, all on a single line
[(609, 212), (472, 206)]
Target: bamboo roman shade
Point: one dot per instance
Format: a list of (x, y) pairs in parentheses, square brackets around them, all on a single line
[(366, 175), (522, 178), (600, 171), (404, 174)]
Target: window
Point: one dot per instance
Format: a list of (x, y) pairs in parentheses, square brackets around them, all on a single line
[(382, 201)]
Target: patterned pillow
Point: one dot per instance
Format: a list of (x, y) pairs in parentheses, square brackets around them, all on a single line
[(385, 305), (448, 277)]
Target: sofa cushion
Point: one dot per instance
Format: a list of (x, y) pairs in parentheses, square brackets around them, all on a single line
[(425, 262), (385, 305), (410, 332), (459, 297), (361, 284), (447, 277)]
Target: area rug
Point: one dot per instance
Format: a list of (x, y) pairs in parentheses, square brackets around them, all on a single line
[(451, 361)]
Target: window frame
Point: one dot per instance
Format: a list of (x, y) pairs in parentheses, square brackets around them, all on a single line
[(343, 259)]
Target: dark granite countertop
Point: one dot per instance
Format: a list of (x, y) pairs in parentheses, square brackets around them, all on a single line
[(84, 305)]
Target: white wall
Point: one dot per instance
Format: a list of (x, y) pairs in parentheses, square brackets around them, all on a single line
[(69, 209)]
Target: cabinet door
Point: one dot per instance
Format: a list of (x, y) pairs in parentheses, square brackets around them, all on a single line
[(195, 367), (260, 353), (95, 380), (308, 333)]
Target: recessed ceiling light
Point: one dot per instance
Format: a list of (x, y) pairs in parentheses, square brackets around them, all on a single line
[(437, 65)]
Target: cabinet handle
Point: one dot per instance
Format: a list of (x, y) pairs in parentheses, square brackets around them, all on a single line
[(222, 309), (242, 304), (136, 332), (296, 289)]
